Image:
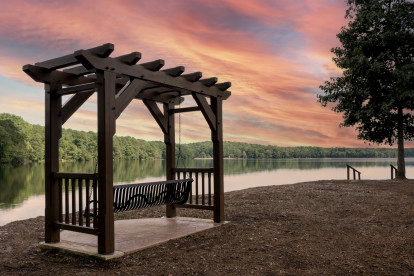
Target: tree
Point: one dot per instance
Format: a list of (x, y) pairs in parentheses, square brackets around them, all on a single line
[(375, 92)]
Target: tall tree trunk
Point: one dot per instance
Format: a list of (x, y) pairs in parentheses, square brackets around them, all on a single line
[(401, 160)]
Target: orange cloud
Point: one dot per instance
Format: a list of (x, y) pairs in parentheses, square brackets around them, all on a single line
[(275, 54)]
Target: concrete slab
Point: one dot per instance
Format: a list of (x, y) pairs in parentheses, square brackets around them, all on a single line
[(132, 235)]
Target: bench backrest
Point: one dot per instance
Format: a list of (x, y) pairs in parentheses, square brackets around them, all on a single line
[(136, 196)]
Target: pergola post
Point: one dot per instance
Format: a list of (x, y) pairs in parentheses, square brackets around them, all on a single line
[(106, 131), (53, 132), (217, 138), (169, 140)]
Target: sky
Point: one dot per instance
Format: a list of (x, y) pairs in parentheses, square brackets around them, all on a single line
[(275, 54)]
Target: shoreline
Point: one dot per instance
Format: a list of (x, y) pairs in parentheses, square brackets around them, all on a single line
[(330, 227)]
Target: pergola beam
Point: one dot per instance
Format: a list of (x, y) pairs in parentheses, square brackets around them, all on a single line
[(138, 71), (102, 51), (41, 74), (77, 89), (185, 109)]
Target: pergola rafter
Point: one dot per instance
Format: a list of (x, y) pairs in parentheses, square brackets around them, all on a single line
[(117, 82)]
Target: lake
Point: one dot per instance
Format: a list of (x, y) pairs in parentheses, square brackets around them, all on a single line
[(22, 188)]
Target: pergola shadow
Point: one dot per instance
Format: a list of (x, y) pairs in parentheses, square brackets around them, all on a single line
[(117, 81)]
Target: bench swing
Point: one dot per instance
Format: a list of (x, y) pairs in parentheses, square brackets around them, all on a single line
[(142, 195), (117, 81)]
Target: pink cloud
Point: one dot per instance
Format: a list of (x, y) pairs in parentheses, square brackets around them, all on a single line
[(274, 83)]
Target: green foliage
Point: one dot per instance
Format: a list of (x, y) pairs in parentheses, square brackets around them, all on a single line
[(21, 141), (376, 88), (14, 132)]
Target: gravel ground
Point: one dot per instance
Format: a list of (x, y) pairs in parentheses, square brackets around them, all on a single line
[(312, 228)]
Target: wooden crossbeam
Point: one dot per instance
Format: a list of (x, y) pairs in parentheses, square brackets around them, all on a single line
[(209, 82), (126, 95), (193, 76), (154, 65), (171, 97), (158, 115), (102, 51), (128, 59), (185, 109), (206, 110), (175, 71), (77, 89), (160, 77), (41, 74), (73, 104)]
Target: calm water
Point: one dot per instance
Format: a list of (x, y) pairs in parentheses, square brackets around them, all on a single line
[(22, 188)]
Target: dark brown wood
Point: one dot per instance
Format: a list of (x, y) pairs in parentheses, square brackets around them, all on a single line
[(161, 119), (223, 86), (393, 170), (73, 104), (53, 132), (84, 88), (138, 71), (87, 203), (209, 188), (217, 138), (130, 59), (58, 175), (209, 82), (186, 109), (167, 98), (118, 81), (206, 110), (203, 197), (77, 228), (154, 65), (60, 200), (44, 75), (67, 211), (80, 200), (169, 140), (106, 131), (175, 72), (73, 184), (196, 187), (69, 60), (125, 96), (193, 77), (354, 172), (200, 170), (95, 201)]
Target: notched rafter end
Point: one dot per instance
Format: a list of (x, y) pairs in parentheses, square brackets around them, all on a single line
[(223, 86), (154, 65), (102, 51), (209, 82), (193, 77), (130, 59), (174, 72)]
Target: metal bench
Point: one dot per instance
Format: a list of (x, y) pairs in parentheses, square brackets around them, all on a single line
[(136, 196)]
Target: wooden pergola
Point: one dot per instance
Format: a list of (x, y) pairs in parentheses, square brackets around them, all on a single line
[(118, 81)]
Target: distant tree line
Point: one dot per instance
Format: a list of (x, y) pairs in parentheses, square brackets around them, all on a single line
[(23, 142)]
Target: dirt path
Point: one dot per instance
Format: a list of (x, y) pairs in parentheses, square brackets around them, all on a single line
[(314, 228)]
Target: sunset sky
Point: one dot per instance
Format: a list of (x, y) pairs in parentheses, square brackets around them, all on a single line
[(275, 54)]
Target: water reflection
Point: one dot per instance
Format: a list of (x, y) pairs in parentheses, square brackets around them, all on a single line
[(22, 188)]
